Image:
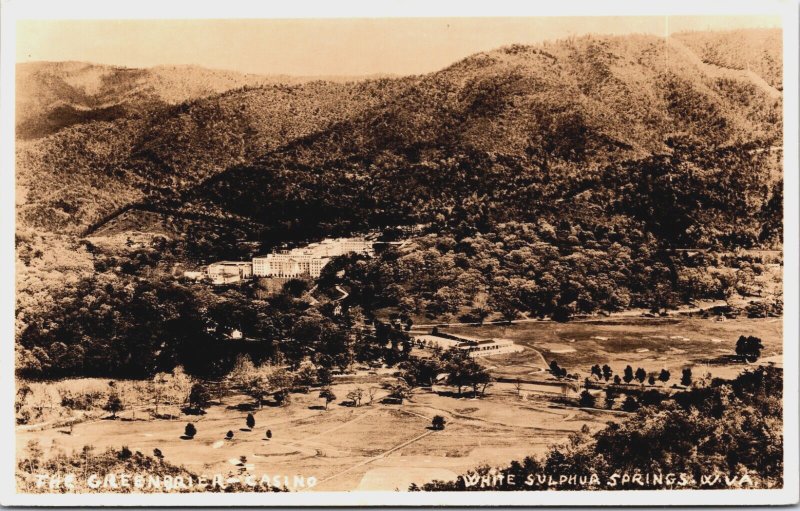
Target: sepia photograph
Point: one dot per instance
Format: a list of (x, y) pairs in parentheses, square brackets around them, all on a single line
[(408, 256)]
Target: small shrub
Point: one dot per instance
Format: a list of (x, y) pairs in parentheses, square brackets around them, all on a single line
[(190, 431), (587, 399), (124, 453)]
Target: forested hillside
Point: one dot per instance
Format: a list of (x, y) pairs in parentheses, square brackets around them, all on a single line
[(758, 50), (75, 177), (576, 129), (553, 111), (731, 429)]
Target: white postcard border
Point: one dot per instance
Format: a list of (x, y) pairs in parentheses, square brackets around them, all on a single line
[(149, 9)]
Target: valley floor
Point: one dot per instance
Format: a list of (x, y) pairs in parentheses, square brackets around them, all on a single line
[(389, 446)]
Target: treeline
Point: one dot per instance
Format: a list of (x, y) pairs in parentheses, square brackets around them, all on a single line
[(730, 429)]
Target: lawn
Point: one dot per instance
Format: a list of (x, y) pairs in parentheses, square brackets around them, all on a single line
[(652, 343)]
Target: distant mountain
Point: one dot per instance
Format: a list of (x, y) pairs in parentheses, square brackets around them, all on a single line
[(55, 95), (549, 116)]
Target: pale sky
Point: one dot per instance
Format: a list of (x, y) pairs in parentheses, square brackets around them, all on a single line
[(309, 47)]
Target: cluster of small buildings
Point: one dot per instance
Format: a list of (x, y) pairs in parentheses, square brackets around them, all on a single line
[(473, 346), (297, 262)]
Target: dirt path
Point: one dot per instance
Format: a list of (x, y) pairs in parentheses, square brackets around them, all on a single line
[(377, 457), (715, 71), (338, 427)]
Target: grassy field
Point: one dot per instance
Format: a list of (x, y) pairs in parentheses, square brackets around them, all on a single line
[(651, 343), (375, 447)]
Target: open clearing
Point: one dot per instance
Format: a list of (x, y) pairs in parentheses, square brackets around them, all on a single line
[(377, 447), (651, 343)]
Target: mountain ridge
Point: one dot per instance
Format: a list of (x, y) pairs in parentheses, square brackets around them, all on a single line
[(583, 102)]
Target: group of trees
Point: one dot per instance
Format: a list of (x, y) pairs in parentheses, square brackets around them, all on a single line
[(540, 269), (605, 373), (730, 428), (748, 348), (460, 369)]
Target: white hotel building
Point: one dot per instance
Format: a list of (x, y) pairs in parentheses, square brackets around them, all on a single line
[(308, 260)]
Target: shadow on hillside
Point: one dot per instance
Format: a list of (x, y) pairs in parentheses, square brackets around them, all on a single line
[(242, 407)]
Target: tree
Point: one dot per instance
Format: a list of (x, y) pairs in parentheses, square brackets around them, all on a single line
[(113, 405), (280, 382), (356, 395), (421, 372), (641, 375), (651, 380), (158, 454), (328, 395), (257, 388), (324, 376), (199, 397), (124, 453), (269, 434), (229, 435), (371, 391), (597, 372), (630, 404), (562, 314), (478, 376), (307, 375), (250, 421), (158, 384), (518, 387), (607, 372), (399, 390), (617, 379), (190, 431), (628, 375), (663, 376), (749, 348), (555, 370), (438, 422), (686, 376), (586, 400), (611, 396)]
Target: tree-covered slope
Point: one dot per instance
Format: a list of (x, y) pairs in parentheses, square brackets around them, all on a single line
[(512, 132), (583, 128), (71, 179)]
